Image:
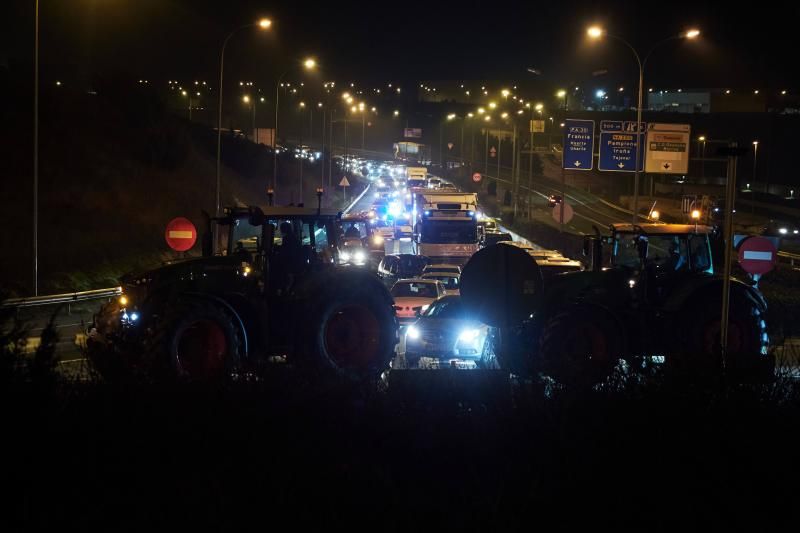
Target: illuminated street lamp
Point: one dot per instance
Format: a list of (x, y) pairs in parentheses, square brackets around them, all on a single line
[(596, 32), (263, 24), (563, 95)]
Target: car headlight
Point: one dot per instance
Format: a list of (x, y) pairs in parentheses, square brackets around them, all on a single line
[(412, 333), (469, 335)]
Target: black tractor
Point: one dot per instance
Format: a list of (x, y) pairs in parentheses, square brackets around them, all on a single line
[(654, 297), (271, 286)]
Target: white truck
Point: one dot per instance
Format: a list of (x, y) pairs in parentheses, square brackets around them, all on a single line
[(446, 227), (417, 177)]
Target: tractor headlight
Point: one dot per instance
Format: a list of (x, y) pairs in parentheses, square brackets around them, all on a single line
[(359, 257), (123, 300), (344, 256)]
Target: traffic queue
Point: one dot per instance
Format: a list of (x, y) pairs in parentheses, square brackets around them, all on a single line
[(417, 231)]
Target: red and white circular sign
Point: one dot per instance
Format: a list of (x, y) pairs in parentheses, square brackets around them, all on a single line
[(568, 212), (757, 255), (476, 177), (180, 234)]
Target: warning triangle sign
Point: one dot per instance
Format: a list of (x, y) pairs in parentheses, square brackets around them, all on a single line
[(344, 182)]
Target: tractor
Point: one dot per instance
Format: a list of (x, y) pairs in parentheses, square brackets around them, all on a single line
[(268, 285), (653, 297)]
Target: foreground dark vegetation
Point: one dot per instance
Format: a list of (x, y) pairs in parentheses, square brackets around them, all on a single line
[(469, 450)]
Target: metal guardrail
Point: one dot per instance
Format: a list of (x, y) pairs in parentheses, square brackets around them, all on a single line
[(66, 298), (788, 257)]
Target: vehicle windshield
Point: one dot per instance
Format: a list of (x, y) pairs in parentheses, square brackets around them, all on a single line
[(354, 230), (412, 263), (449, 282), (447, 308), (414, 289), (448, 231), (678, 253), (245, 236)]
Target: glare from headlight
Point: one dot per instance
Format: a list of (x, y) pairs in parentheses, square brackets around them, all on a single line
[(469, 335), (344, 256), (134, 317), (783, 231), (359, 256), (123, 300), (412, 333), (377, 239)]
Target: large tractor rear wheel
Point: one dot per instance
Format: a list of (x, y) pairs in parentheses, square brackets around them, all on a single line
[(198, 341), (580, 346), (748, 357), (352, 330)]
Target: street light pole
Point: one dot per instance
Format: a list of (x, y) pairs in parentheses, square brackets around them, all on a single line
[(36, 153), (309, 64), (595, 33), (755, 163), (263, 24)]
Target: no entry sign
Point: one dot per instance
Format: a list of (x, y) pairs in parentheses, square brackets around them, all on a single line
[(568, 212), (476, 177), (180, 234), (757, 255)]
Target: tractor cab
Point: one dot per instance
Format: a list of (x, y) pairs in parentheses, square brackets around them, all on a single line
[(292, 240), (662, 249), (362, 227)]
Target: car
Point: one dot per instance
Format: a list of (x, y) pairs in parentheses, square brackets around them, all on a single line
[(446, 332), (383, 228), (554, 199), (434, 183), (450, 281), (401, 266), (440, 268), (488, 224), (494, 237), (447, 187), (412, 296), (403, 229)]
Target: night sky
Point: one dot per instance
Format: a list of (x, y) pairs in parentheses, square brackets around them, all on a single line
[(406, 41)]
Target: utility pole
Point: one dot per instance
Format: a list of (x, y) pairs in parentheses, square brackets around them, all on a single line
[(732, 151), (499, 150), (514, 169), (486, 153), (36, 154)]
